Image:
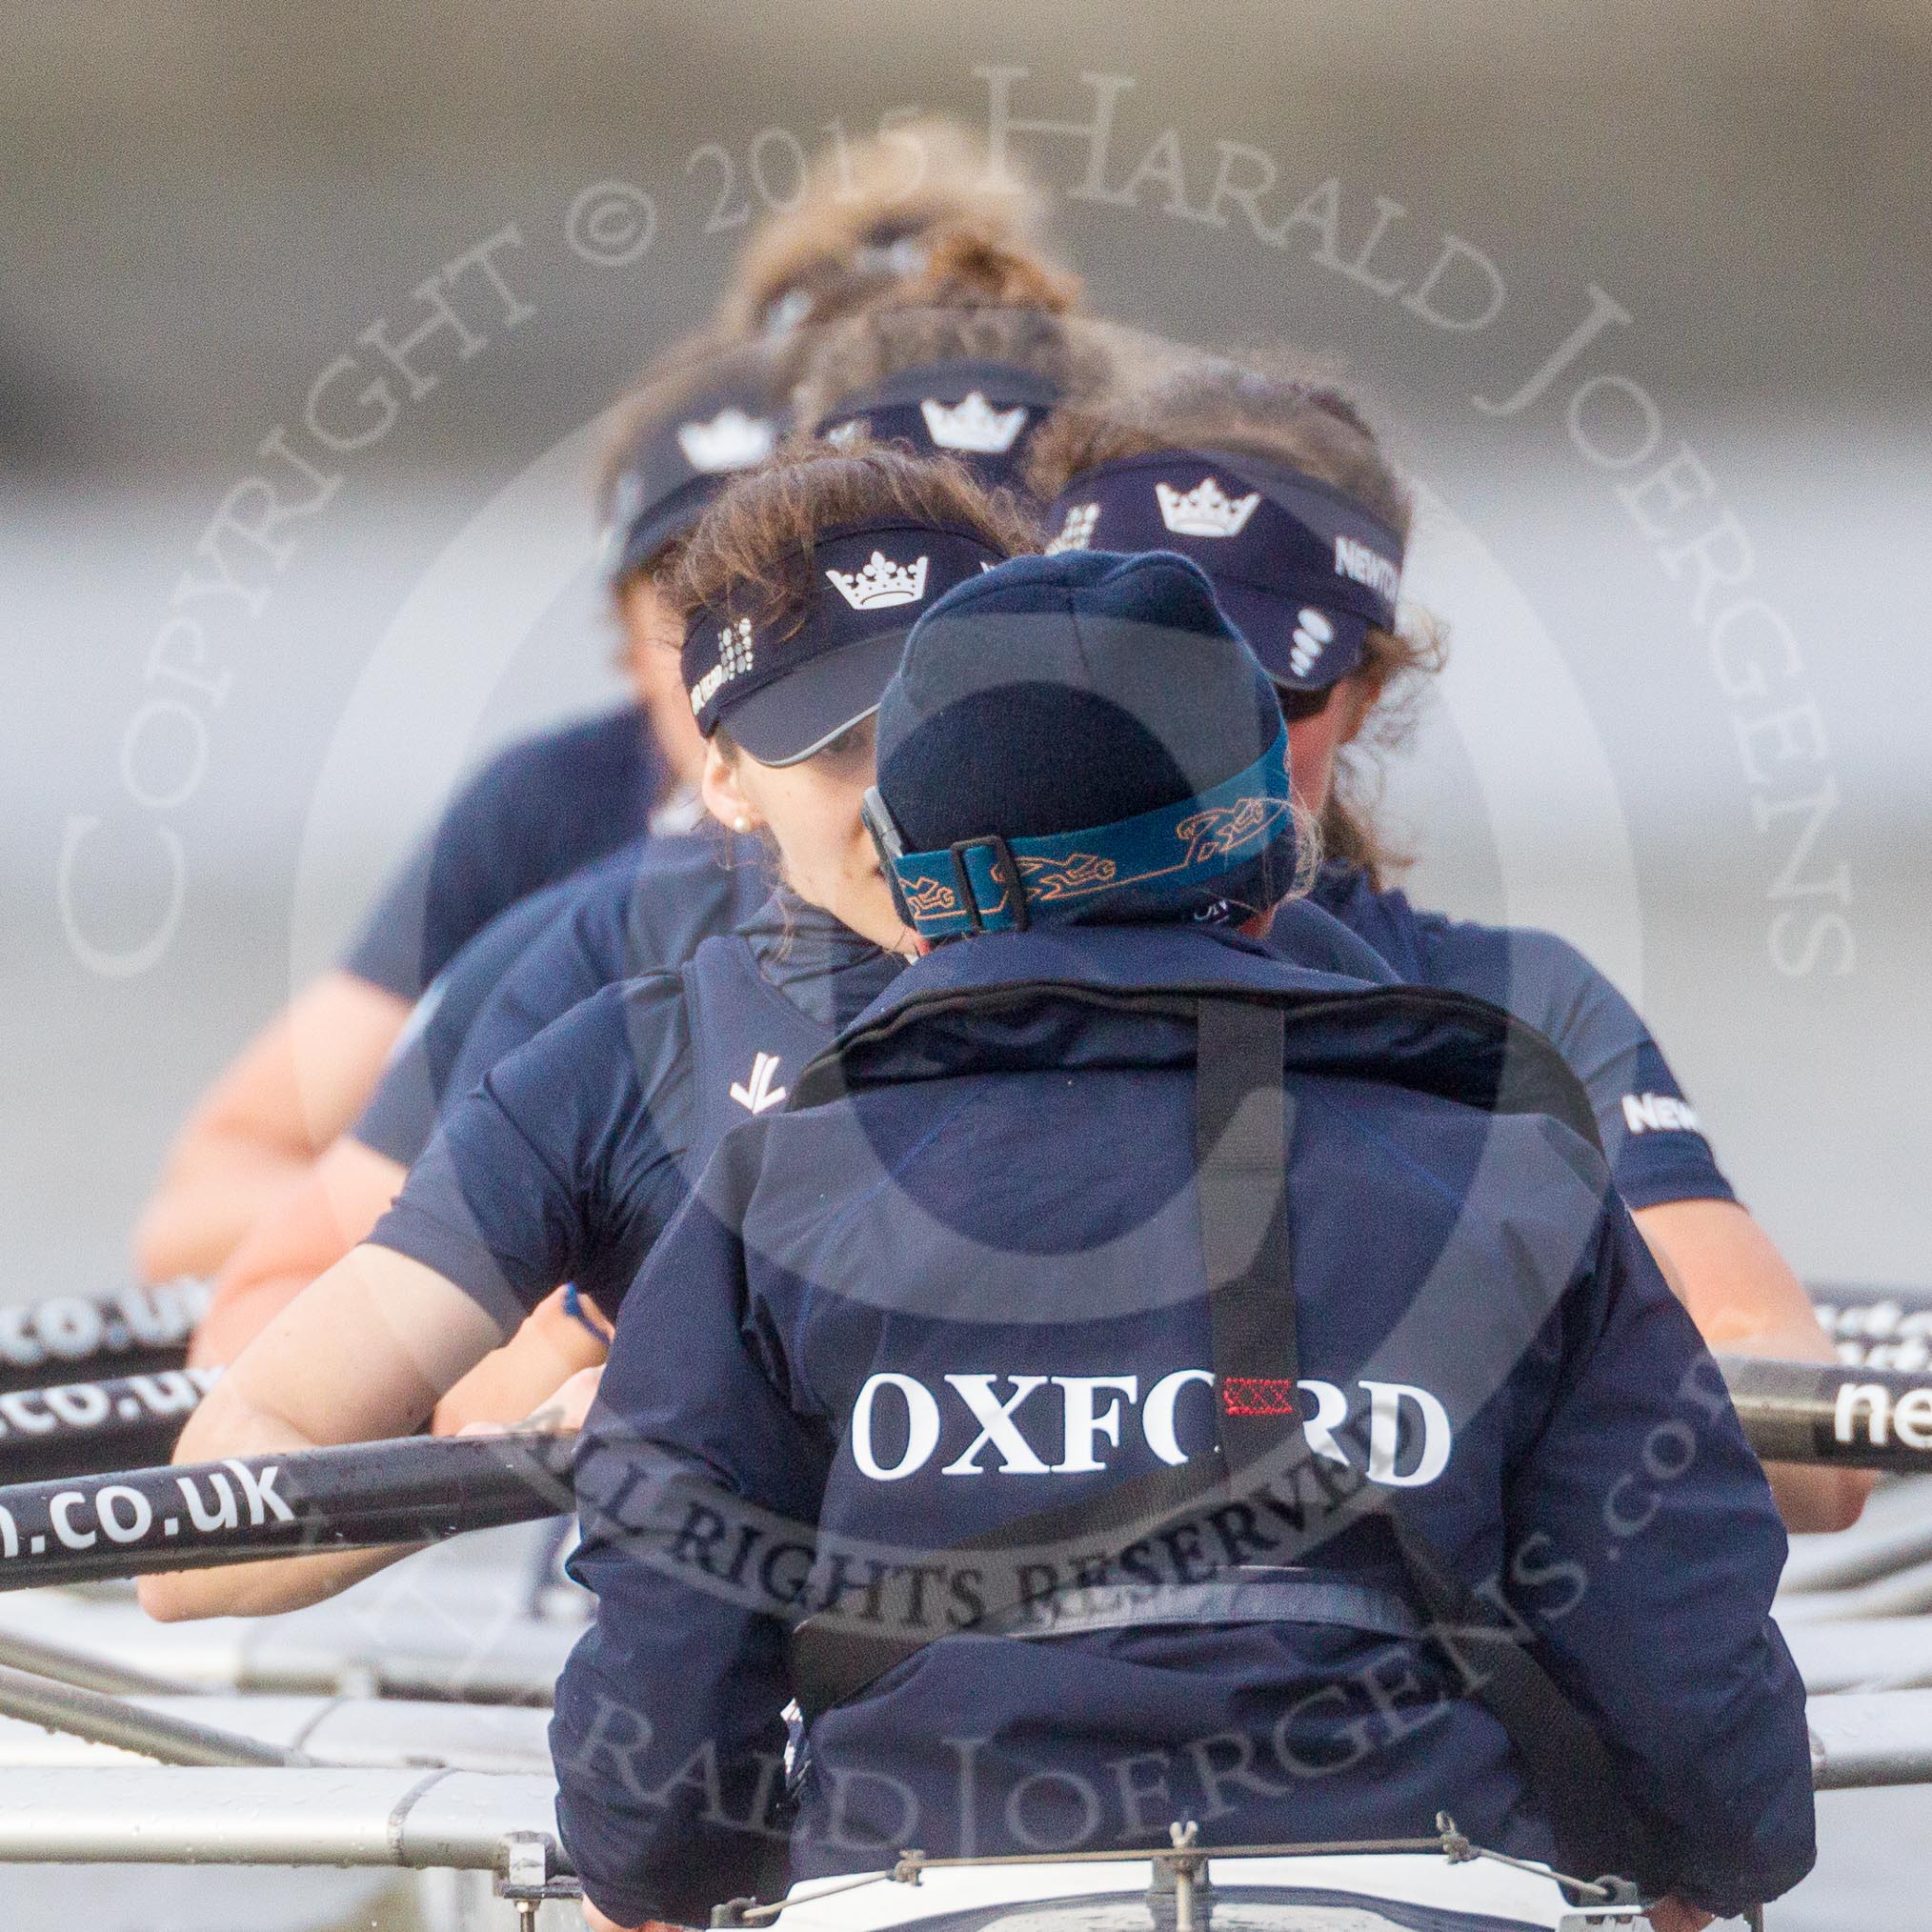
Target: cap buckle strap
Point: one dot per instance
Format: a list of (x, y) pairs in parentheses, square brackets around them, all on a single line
[(969, 899)]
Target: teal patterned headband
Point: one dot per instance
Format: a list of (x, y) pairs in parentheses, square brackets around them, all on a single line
[(968, 887)]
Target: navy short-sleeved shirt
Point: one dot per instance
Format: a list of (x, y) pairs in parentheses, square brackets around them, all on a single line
[(567, 1161), (645, 909), (538, 812), (1657, 1151)]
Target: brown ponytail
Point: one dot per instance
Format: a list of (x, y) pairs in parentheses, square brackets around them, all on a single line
[(976, 300), (973, 265)]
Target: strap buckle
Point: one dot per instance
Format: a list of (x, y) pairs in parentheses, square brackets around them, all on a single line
[(962, 878)]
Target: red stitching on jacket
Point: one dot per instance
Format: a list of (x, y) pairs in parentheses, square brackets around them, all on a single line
[(1258, 1396)]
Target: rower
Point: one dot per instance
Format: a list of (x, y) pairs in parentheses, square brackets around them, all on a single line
[(864, 219), (1128, 1343), (535, 813), (797, 589), (965, 360), (1280, 492), (493, 876)]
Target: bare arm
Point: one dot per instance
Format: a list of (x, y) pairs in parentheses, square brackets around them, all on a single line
[(363, 1353), (1741, 1294), (253, 1135), (335, 1204), (508, 1386)]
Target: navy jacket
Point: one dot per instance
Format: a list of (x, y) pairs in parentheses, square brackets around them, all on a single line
[(972, 1287), (644, 909)]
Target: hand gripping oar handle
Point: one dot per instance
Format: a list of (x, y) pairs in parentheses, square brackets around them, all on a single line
[(249, 1508), (1819, 1412), (62, 1337), (84, 1428)]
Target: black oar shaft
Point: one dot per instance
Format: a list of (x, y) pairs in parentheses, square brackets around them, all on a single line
[(86, 1428), (1819, 1412), (426, 1489), (421, 1489), (62, 1337)]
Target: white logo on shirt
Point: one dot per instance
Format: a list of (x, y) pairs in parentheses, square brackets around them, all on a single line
[(1408, 1445), (760, 1094), (1659, 1113)]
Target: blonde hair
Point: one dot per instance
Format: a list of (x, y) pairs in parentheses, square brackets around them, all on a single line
[(1296, 414), (975, 300), (866, 207)]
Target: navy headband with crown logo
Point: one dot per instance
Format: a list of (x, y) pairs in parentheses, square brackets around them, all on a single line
[(678, 464), (982, 412), (1303, 571), (788, 690)]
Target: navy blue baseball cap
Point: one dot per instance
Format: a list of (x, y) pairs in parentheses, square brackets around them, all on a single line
[(788, 689), (726, 419), (1304, 570), (1090, 729)]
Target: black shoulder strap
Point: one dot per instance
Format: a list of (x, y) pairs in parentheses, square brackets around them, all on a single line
[(1243, 1126), (1241, 1154), (1241, 1133)]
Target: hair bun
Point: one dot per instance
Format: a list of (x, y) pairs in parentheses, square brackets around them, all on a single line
[(970, 266)]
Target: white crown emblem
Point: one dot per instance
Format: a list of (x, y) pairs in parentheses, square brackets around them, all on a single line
[(1313, 634), (734, 660), (731, 440), (972, 424), (881, 583), (1205, 509), (1077, 533)]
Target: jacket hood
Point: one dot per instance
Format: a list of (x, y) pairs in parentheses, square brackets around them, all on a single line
[(1090, 998)]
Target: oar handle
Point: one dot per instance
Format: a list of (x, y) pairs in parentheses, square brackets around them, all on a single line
[(1886, 1327), (61, 1337), (85, 1428), (426, 1489), (249, 1508), (1826, 1412)]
